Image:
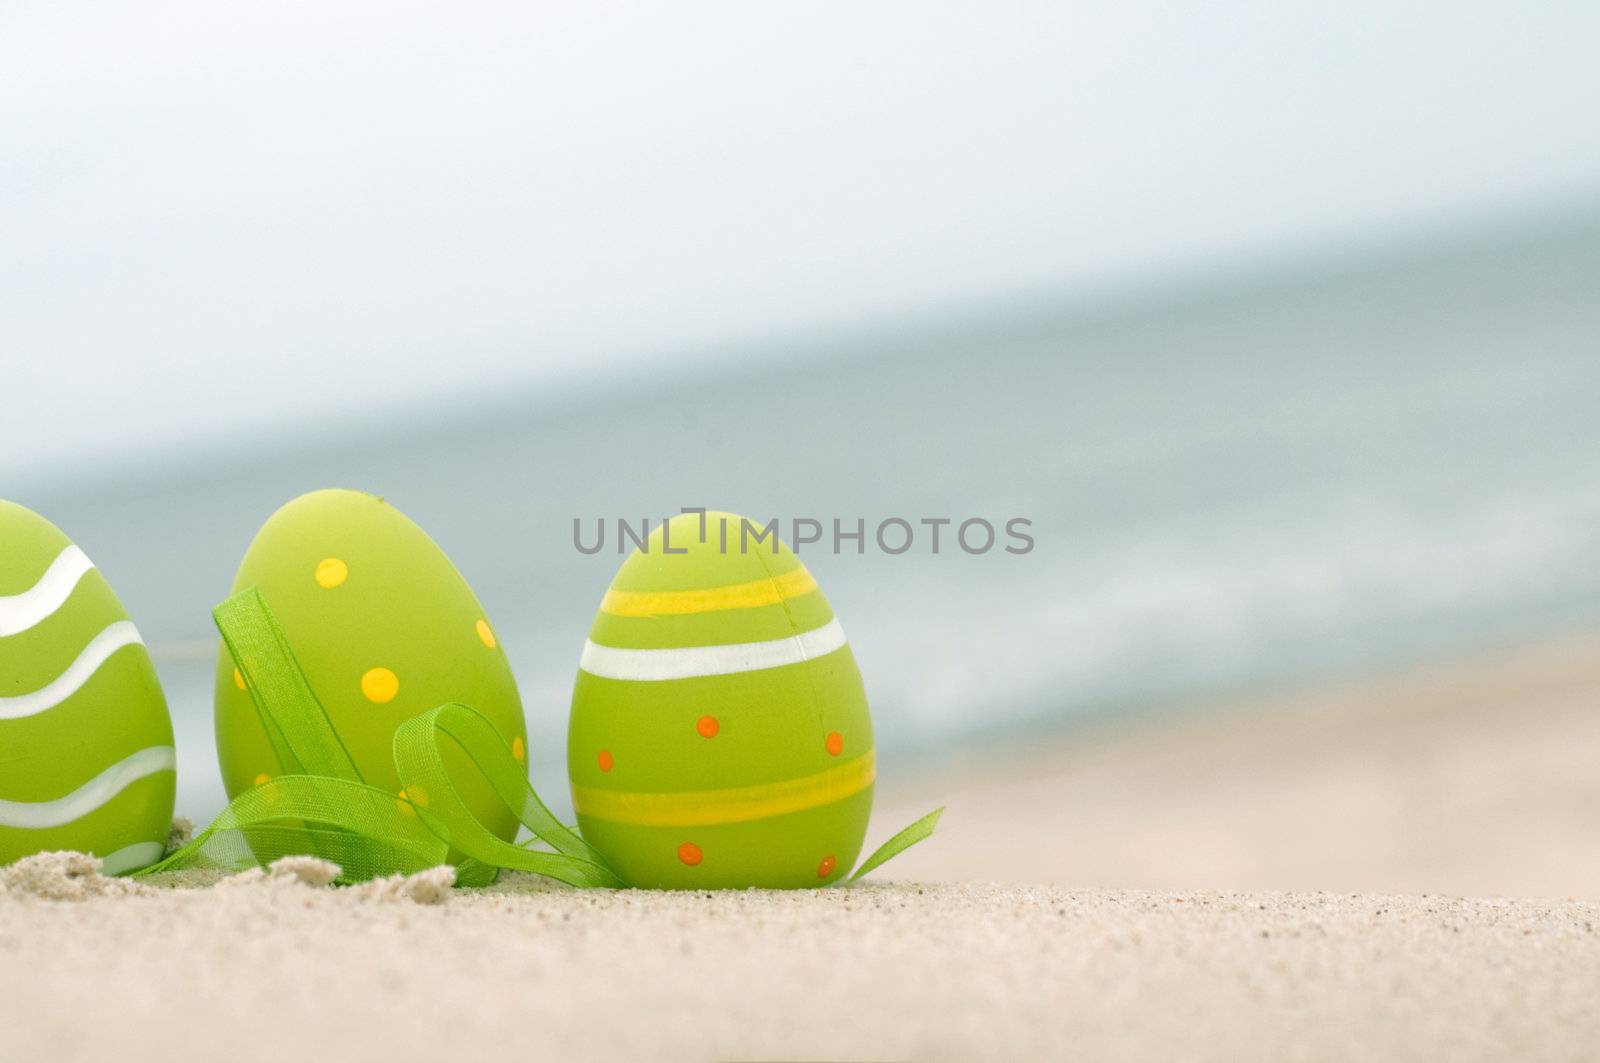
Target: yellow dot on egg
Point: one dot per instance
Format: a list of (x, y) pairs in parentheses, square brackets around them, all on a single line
[(263, 778), (380, 685), (238, 680), (486, 634), (331, 572), (518, 750)]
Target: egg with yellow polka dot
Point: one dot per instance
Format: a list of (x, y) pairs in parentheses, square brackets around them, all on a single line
[(384, 628), (720, 735)]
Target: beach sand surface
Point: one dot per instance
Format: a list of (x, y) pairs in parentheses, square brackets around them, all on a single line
[(1476, 777), (1331, 874)]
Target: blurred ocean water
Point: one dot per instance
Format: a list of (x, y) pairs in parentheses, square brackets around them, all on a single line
[(1251, 479)]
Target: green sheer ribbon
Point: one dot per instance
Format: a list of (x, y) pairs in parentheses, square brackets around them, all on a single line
[(321, 806)]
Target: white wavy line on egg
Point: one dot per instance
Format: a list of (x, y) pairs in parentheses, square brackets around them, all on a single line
[(101, 647), (690, 662), (131, 857), (39, 815), (19, 612)]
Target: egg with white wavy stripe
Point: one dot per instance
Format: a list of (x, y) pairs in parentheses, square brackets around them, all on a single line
[(86, 755), (720, 735), (384, 628)]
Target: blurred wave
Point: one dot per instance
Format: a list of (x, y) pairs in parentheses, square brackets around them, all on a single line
[(1253, 479)]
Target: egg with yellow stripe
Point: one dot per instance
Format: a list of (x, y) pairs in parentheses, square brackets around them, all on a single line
[(384, 628), (720, 735), (86, 754)]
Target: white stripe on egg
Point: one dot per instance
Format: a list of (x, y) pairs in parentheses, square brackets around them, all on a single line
[(689, 662), (39, 815), (115, 636), (19, 612)]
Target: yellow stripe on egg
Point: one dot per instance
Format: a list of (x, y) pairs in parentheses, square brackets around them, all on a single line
[(751, 595), (705, 808)]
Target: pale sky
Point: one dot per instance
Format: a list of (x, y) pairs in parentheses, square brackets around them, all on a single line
[(216, 219)]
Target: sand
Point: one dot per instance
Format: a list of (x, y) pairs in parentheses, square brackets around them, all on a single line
[(279, 966), (1157, 907), (1474, 778)]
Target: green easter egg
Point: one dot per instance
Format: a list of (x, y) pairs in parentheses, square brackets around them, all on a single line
[(720, 736), (86, 755), (384, 628)]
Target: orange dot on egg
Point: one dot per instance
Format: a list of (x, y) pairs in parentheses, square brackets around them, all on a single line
[(263, 778), (835, 743), (518, 750), (238, 680), (690, 853), (604, 760), (825, 868), (707, 726)]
